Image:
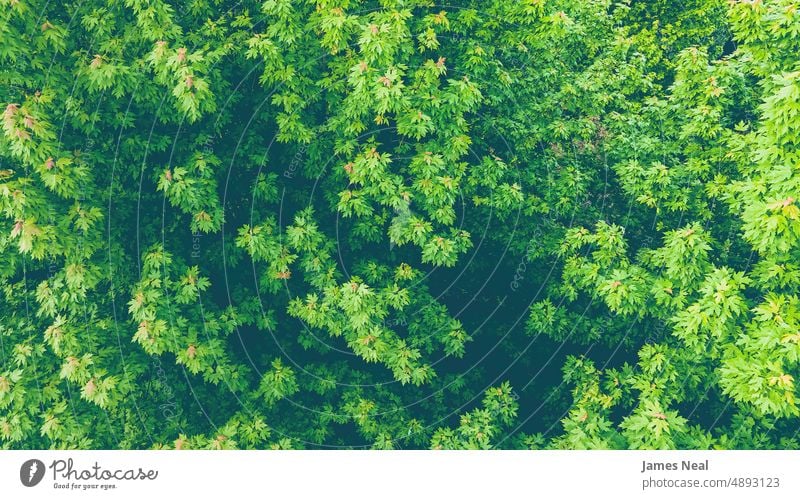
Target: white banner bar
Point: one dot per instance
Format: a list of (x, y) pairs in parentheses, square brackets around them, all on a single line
[(407, 474)]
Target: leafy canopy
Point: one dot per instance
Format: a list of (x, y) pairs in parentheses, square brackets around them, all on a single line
[(398, 224)]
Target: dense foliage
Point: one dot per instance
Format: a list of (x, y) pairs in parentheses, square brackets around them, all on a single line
[(400, 224)]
